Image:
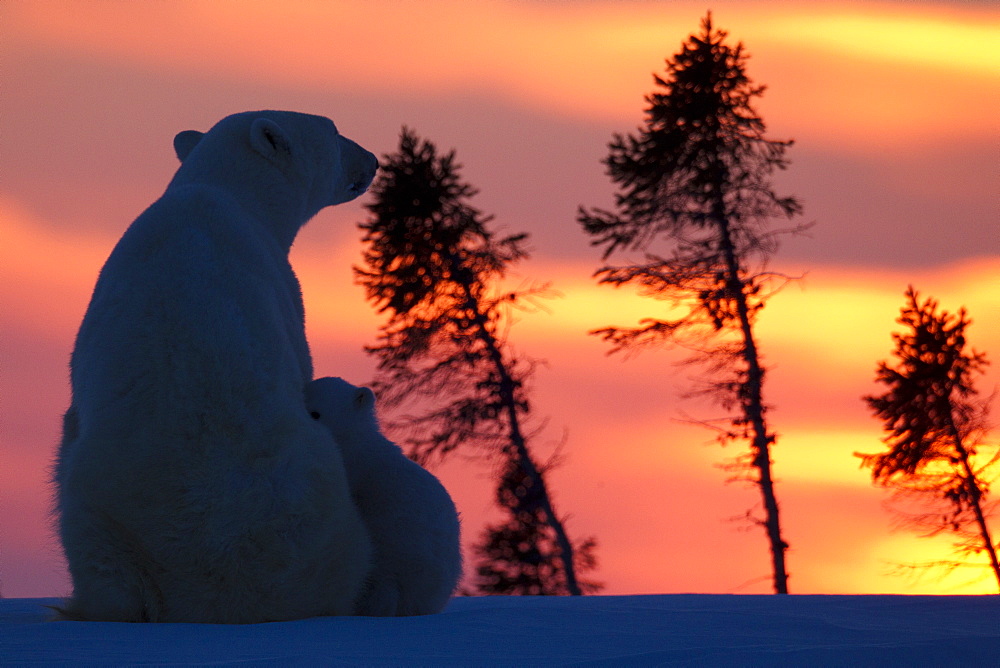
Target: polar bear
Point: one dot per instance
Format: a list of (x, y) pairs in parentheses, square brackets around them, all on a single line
[(191, 483), (409, 514)]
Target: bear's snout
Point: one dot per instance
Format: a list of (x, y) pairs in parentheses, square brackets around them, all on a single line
[(367, 175), (360, 186), (360, 166)]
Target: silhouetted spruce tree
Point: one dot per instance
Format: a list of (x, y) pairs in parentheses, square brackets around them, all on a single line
[(516, 554), (433, 266), (935, 428), (696, 180)]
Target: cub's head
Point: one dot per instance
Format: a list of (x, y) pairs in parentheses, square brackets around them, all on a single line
[(324, 166), (348, 411)]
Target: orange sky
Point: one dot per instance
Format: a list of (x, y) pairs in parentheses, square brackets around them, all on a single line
[(892, 106)]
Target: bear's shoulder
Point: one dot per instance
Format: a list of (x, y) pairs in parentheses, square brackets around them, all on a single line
[(196, 223)]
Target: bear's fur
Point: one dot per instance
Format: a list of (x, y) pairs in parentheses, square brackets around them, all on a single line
[(409, 514), (191, 483)]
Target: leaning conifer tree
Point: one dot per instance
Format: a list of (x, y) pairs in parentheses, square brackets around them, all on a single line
[(935, 430), (695, 181), (516, 554), (433, 266)]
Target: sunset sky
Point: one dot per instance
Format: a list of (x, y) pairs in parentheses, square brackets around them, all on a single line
[(893, 109)]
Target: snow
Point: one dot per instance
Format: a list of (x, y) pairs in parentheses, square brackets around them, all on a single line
[(666, 630)]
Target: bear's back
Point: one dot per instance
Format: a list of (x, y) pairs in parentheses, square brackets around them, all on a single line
[(196, 290)]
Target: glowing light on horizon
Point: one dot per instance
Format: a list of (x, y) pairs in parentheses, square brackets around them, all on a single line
[(935, 41), (898, 549)]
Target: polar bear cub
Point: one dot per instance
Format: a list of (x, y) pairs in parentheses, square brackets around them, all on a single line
[(191, 483), (411, 518)]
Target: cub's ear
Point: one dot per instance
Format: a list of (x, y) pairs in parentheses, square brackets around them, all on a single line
[(185, 142), (364, 398), (268, 139)]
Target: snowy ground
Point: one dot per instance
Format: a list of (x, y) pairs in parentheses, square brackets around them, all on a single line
[(689, 630)]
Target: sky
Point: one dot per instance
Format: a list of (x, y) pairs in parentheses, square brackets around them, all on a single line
[(892, 106)]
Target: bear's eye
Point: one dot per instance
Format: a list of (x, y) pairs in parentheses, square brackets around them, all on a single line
[(314, 415)]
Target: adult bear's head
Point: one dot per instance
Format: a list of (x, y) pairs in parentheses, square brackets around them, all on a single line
[(290, 163)]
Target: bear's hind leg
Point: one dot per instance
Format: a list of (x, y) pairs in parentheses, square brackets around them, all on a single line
[(113, 576)]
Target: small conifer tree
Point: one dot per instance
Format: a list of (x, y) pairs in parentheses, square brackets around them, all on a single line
[(935, 429), (433, 266)]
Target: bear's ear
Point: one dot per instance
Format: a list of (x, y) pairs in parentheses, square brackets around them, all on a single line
[(267, 138), (364, 398), (185, 142)]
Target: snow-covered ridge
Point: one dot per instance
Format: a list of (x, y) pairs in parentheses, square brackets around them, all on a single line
[(665, 630)]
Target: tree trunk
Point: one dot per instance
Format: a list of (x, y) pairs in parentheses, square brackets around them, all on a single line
[(976, 494), (753, 408), (528, 465), (517, 440)]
